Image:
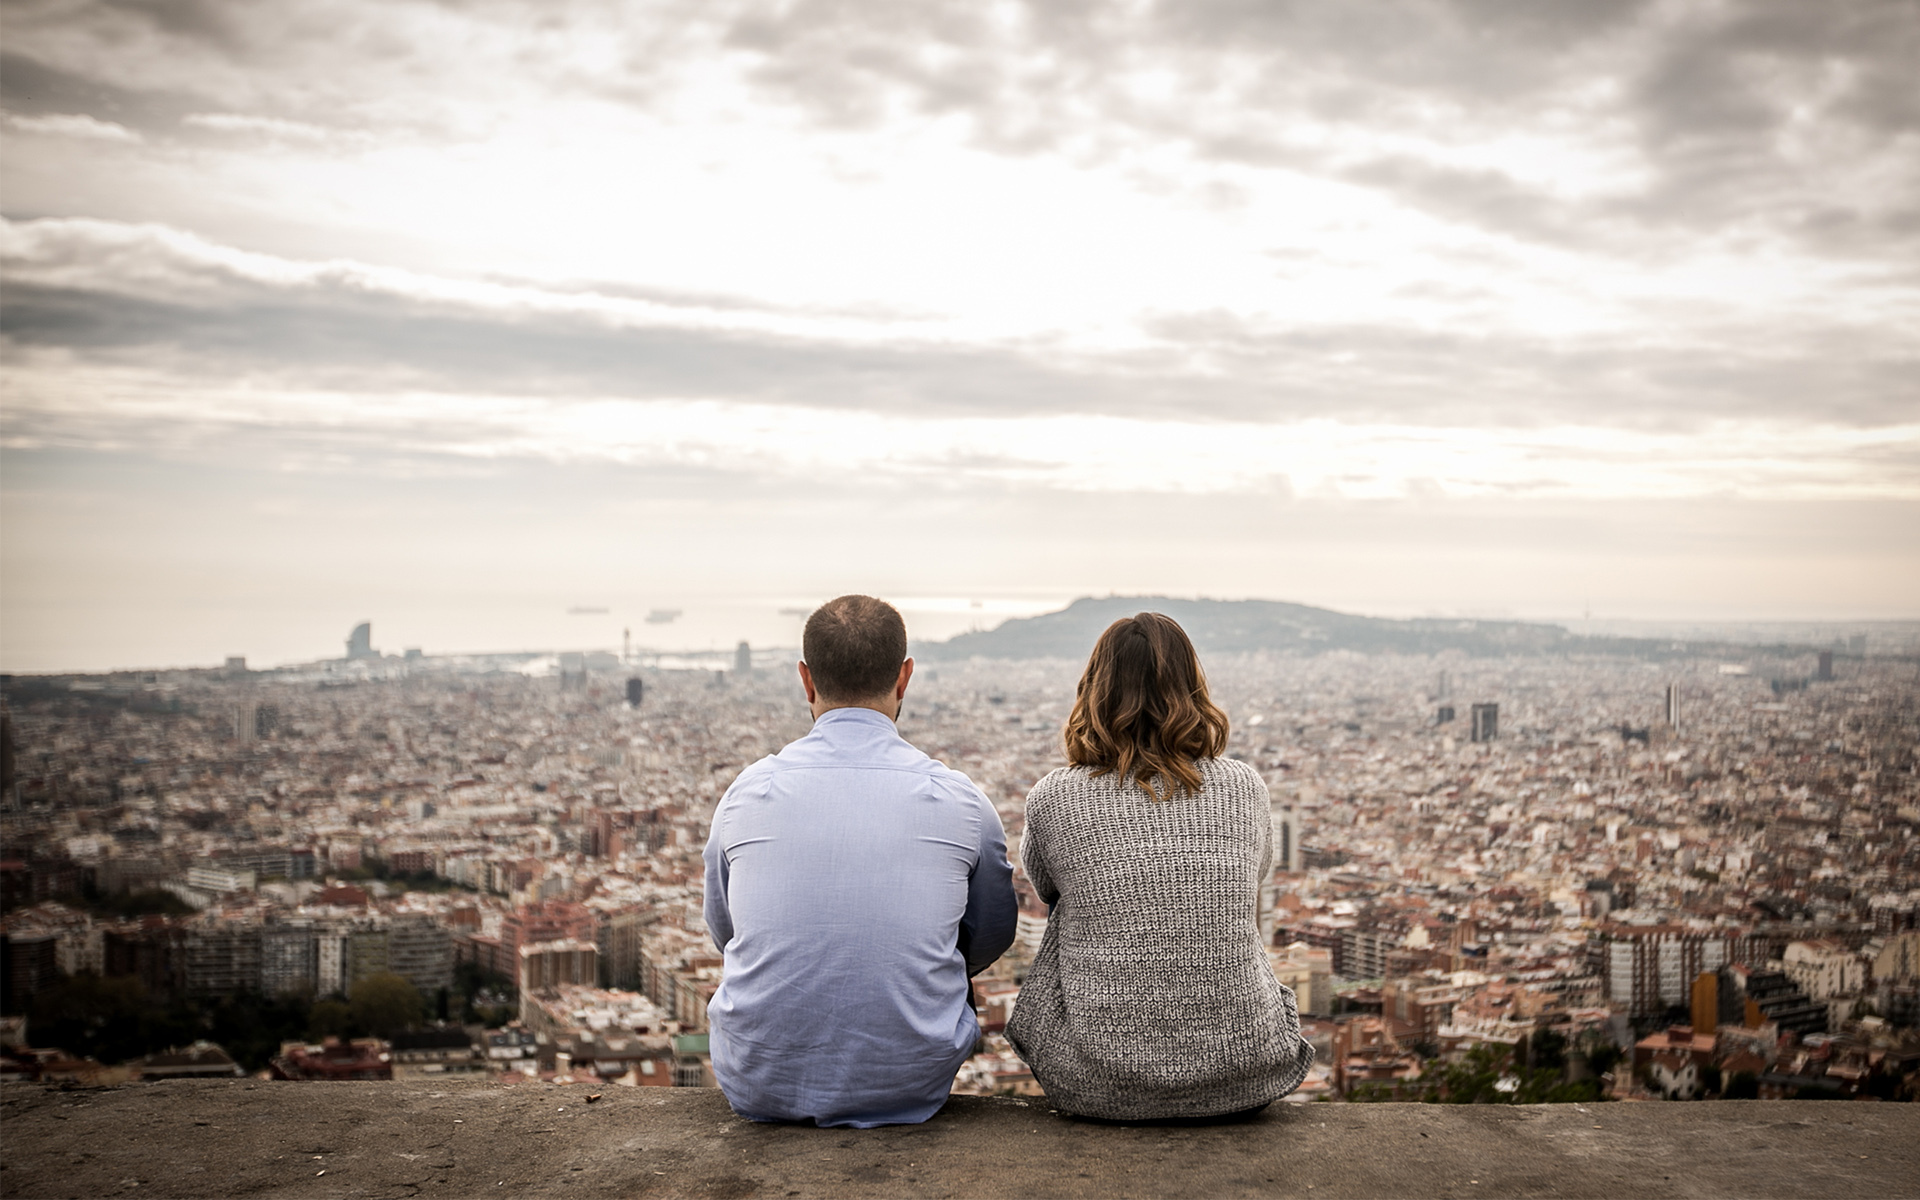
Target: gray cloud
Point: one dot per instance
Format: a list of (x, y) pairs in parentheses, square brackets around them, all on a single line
[(146, 301), (1787, 120), (1698, 105), (31, 87)]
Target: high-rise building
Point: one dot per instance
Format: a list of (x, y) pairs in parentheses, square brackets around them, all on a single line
[(223, 957), (635, 690), (550, 964), (421, 949), (1826, 666), (368, 952), (1286, 840), (1486, 722), (1443, 715), (289, 959), (1673, 707), (29, 965), (743, 659), (1651, 968), (360, 641)]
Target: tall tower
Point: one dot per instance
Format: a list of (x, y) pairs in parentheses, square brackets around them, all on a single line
[(1486, 722), (743, 660), (1826, 666), (1286, 840), (1673, 707), (360, 641)]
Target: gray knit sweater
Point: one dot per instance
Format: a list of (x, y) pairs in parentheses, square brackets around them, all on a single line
[(1151, 995)]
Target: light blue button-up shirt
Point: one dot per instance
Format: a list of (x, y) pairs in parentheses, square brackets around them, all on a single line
[(854, 885)]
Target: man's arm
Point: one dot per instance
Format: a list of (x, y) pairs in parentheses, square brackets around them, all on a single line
[(987, 926), (719, 917)]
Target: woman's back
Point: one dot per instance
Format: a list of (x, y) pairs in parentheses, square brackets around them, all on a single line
[(1151, 995)]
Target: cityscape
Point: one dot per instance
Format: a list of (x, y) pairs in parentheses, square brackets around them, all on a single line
[(1526, 877), (427, 428)]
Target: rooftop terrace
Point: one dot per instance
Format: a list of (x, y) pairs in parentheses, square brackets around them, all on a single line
[(242, 1138)]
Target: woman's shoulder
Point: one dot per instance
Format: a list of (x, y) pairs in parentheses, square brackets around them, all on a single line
[(1058, 782), (1066, 785), (1233, 774)]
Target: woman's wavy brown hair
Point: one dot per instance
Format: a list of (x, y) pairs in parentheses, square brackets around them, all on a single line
[(1142, 708)]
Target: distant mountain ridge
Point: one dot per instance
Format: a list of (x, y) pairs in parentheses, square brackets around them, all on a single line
[(1246, 626), (1276, 626)]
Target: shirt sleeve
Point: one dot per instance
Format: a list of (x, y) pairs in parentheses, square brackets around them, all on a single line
[(987, 926), (719, 917)]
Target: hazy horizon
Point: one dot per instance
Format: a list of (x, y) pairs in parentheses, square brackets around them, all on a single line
[(456, 317), (715, 627)]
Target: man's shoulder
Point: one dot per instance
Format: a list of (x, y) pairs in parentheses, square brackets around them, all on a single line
[(956, 781), (755, 774)]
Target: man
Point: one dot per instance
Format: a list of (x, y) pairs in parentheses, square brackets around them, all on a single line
[(854, 886)]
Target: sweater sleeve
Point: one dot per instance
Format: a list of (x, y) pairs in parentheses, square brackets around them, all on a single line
[(1263, 814), (1033, 856)]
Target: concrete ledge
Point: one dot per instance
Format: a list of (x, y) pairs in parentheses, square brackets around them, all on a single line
[(240, 1138)]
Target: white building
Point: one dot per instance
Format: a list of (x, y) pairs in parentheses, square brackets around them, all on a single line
[(1823, 968)]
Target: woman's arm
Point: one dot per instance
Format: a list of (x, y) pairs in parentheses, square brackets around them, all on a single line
[(1033, 856)]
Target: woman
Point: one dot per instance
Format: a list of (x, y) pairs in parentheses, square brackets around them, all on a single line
[(1151, 996)]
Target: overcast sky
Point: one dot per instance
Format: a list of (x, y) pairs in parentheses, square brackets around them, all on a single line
[(456, 315)]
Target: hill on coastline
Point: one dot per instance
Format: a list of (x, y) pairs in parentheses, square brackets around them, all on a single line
[(1275, 626)]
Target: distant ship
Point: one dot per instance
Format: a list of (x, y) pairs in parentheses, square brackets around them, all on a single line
[(584, 610), (796, 612), (662, 616)]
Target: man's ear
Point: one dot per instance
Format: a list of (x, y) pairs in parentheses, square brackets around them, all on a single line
[(900, 685), (806, 683)]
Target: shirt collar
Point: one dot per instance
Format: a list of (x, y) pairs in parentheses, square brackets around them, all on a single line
[(854, 716)]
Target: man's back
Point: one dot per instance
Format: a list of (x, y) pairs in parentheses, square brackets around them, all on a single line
[(853, 885)]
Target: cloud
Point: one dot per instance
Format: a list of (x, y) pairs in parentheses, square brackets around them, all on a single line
[(144, 294), (1628, 125), (1631, 130), (270, 126), (56, 407), (73, 125)]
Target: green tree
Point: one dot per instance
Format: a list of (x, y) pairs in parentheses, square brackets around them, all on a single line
[(1742, 1085), (384, 1003), (1547, 1051), (86, 1015), (329, 1018), (1493, 1075)]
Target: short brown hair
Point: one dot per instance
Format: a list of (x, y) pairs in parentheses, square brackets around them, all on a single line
[(1142, 708), (854, 646)]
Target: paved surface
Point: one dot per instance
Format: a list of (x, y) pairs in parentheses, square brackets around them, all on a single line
[(241, 1138)]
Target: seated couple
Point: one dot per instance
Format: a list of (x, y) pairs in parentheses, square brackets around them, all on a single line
[(856, 885)]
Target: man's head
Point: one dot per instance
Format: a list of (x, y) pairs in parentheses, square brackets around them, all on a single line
[(854, 655)]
